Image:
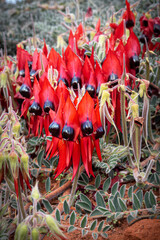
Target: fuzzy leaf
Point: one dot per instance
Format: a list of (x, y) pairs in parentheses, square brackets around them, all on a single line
[(95, 235), (58, 215), (111, 205), (100, 226), (85, 199), (98, 181), (71, 229), (122, 190), (114, 188), (90, 187), (99, 200), (66, 207), (84, 232), (122, 204), (106, 184), (104, 235), (85, 178), (130, 218), (130, 191), (152, 198), (40, 157), (48, 184), (47, 205), (93, 225), (72, 218), (84, 205), (84, 222), (96, 212), (136, 202)]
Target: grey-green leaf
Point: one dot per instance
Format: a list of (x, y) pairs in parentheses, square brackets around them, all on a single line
[(58, 215), (100, 226), (93, 225), (84, 206), (106, 184), (98, 181), (72, 218), (66, 207), (99, 200), (47, 205), (122, 204), (136, 202), (122, 190), (48, 184), (94, 235), (85, 199), (84, 222), (40, 157), (111, 205), (71, 229), (114, 188), (152, 198)]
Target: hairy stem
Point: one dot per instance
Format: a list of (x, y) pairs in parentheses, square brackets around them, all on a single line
[(21, 201), (74, 187)]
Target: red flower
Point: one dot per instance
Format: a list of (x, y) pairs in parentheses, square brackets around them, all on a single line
[(129, 17)]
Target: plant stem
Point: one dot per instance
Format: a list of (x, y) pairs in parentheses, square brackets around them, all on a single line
[(149, 111), (74, 187), (21, 201), (123, 115)]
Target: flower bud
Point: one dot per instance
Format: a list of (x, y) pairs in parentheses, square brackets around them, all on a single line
[(24, 160), (16, 128), (35, 194), (142, 89), (135, 112), (2, 157), (13, 160), (53, 225), (21, 232), (3, 78), (1, 130), (35, 234)]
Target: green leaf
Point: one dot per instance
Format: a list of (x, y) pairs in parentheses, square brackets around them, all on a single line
[(130, 218), (146, 200), (72, 218), (94, 235), (84, 205), (98, 181), (84, 232), (49, 138), (96, 212), (40, 157), (93, 225), (47, 205), (85, 178), (100, 226), (46, 163), (58, 215), (90, 187), (122, 190), (66, 207), (136, 202), (106, 184), (84, 222), (114, 188), (104, 235), (111, 205), (99, 200), (139, 194), (71, 229), (122, 204), (158, 166), (82, 183), (130, 191), (152, 198), (48, 184), (106, 228), (3, 210), (85, 199)]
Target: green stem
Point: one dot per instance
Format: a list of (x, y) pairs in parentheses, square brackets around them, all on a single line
[(149, 111), (74, 187), (21, 201)]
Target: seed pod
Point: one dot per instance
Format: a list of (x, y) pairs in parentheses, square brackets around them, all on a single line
[(2, 157), (13, 160), (35, 194), (1, 130), (53, 226), (23, 232), (24, 160), (35, 234), (3, 78), (142, 89), (135, 109), (16, 128)]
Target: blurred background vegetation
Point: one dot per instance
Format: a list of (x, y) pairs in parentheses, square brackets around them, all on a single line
[(19, 18)]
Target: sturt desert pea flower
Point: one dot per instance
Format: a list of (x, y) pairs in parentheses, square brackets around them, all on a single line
[(74, 67), (129, 17), (99, 77), (26, 88), (89, 77), (22, 57), (63, 72), (132, 49), (146, 26), (112, 71)]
